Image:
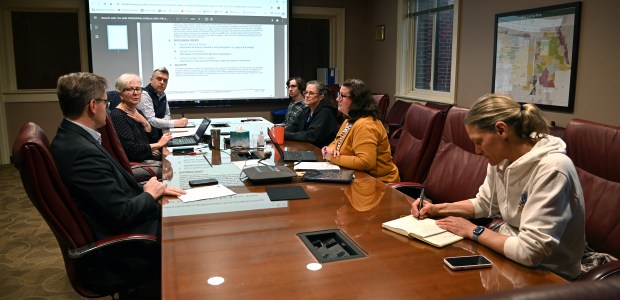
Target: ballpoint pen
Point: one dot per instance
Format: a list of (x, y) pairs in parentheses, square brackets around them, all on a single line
[(421, 204), (205, 156)]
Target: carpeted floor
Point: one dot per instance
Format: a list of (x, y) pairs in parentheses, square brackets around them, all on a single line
[(31, 265)]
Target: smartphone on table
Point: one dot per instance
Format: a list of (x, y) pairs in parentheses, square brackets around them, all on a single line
[(202, 182), (467, 262)]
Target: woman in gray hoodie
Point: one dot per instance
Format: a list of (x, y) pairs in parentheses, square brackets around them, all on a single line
[(531, 184)]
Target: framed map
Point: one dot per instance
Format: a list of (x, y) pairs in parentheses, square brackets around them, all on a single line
[(535, 57)]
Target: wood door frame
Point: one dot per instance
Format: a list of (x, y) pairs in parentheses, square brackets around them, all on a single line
[(336, 32), (8, 84)]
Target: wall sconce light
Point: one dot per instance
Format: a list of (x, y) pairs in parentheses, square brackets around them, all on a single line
[(380, 33)]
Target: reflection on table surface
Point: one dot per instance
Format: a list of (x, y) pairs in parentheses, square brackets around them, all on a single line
[(255, 248)]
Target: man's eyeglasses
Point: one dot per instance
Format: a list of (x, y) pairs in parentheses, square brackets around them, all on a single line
[(106, 102), (342, 96), (133, 90), (309, 93), (292, 86)]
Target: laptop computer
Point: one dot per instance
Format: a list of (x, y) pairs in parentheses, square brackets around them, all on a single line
[(291, 155), (269, 174), (192, 139)]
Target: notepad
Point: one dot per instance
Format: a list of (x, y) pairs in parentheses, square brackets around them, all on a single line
[(316, 165), (294, 192), (425, 230)]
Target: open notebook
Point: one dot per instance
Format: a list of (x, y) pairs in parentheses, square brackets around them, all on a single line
[(425, 230)]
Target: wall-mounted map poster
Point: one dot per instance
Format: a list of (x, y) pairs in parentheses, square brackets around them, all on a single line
[(536, 55)]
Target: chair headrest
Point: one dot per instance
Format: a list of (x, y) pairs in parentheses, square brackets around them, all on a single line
[(29, 133), (454, 129), (594, 147)]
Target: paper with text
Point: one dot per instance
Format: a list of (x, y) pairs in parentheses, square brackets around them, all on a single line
[(206, 192), (319, 165), (236, 202)]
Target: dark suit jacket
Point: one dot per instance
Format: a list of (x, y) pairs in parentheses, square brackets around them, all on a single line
[(110, 199)]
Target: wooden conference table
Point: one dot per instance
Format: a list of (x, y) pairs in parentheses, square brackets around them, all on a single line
[(252, 244)]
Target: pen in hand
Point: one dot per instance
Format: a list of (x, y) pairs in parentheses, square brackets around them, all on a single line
[(421, 203)]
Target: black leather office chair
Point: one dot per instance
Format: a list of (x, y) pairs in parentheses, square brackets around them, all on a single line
[(114, 98), (96, 268)]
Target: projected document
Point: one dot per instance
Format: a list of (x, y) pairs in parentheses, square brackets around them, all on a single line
[(217, 52), (216, 60)]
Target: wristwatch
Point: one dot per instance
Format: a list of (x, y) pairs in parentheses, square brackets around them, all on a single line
[(477, 232)]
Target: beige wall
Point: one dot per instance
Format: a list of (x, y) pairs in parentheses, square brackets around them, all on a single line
[(366, 58), (375, 61), (380, 60), (598, 65), (598, 61)]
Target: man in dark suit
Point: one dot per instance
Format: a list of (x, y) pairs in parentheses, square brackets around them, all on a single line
[(110, 199)]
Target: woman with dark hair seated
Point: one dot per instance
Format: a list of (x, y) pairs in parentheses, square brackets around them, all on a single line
[(137, 137), (317, 122), (362, 142)]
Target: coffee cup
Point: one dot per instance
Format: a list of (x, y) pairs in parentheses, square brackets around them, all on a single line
[(278, 133)]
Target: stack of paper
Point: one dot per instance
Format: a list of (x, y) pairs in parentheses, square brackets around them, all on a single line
[(320, 165)]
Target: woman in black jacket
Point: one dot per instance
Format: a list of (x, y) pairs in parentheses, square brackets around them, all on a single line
[(317, 122)]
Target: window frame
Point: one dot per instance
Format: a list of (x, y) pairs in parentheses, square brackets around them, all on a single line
[(405, 59)]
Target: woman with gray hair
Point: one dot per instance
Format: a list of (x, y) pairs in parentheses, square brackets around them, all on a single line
[(531, 184), (137, 136), (317, 122)]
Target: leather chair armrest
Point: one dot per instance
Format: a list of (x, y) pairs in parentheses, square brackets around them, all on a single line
[(608, 270), (117, 264), (411, 189), (392, 126), (145, 240), (396, 133)]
